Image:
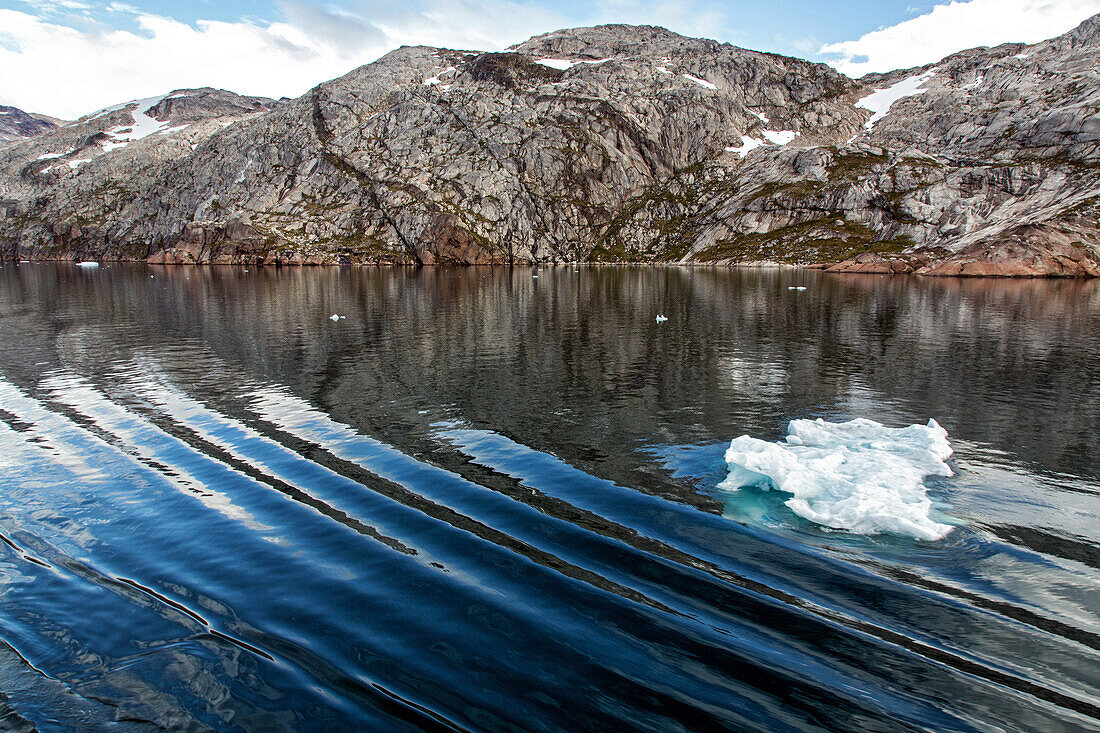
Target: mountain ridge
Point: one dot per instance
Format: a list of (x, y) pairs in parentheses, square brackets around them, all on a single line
[(610, 143)]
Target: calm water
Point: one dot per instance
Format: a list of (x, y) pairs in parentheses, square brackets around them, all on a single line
[(486, 501)]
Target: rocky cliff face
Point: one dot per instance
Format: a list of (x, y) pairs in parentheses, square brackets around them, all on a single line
[(616, 143), (16, 125)]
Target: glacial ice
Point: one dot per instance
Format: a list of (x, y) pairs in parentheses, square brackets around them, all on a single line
[(858, 476)]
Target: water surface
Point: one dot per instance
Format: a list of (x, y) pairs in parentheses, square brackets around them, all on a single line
[(487, 501)]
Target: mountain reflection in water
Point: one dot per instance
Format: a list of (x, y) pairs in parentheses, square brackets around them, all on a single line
[(488, 501)]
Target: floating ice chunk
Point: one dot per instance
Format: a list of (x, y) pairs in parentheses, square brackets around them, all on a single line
[(334, 317), (661, 319), (747, 144), (881, 100), (87, 264), (701, 82), (782, 137), (796, 287), (858, 475)]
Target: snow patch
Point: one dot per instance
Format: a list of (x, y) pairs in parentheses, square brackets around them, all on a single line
[(74, 164), (858, 475), (759, 116), (974, 84), (663, 70), (49, 156), (566, 64), (881, 100), (701, 82), (782, 137), (433, 80), (143, 126), (747, 144), (1021, 56)]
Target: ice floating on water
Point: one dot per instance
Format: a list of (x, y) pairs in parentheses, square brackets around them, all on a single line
[(797, 287), (858, 475), (335, 317), (87, 264), (662, 319)]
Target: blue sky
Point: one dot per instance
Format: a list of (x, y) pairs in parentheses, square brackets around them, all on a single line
[(70, 57)]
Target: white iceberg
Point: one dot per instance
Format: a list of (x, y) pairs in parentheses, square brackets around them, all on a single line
[(661, 319), (858, 475)]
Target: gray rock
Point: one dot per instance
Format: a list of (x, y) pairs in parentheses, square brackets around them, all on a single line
[(615, 143)]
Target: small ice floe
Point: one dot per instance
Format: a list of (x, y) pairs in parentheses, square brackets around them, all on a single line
[(858, 476), (661, 319), (535, 276), (796, 287), (335, 317), (87, 263)]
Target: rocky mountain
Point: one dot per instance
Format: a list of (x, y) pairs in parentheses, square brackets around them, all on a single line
[(15, 124), (614, 143)]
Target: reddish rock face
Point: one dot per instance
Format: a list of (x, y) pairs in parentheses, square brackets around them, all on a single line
[(1026, 251), (871, 263), (446, 241)]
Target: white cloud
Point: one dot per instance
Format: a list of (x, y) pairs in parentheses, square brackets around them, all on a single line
[(954, 27), (55, 69)]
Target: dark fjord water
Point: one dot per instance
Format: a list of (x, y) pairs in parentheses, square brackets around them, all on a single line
[(486, 501)]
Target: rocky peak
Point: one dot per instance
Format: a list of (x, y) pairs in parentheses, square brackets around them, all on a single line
[(15, 124), (1086, 34), (185, 106), (612, 143)]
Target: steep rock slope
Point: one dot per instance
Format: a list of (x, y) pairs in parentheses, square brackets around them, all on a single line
[(613, 143), (16, 125)]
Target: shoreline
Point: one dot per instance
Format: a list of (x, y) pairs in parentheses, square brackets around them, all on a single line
[(831, 268)]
